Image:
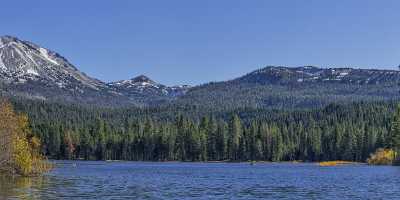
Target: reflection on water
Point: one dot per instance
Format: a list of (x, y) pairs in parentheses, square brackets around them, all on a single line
[(141, 180), (21, 187)]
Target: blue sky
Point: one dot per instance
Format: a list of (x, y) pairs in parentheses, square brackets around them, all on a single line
[(193, 42)]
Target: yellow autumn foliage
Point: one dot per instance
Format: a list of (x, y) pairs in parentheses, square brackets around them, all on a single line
[(382, 157), (19, 149), (22, 157), (334, 163)]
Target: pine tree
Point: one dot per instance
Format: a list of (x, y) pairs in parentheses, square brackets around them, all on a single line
[(277, 145), (55, 144), (221, 143), (235, 134), (100, 134)]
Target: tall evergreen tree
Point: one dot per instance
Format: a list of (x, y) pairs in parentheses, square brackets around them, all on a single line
[(235, 135)]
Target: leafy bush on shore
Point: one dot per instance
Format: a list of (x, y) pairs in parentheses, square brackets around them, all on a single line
[(382, 157)]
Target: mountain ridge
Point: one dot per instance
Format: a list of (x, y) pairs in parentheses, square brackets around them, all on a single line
[(29, 70)]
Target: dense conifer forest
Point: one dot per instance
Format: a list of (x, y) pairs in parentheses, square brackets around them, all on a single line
[(172, 133)]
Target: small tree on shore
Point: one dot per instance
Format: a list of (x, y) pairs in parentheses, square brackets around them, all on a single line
[(19, 149), (8, 130)]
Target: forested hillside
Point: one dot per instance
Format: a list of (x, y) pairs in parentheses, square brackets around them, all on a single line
[(335, 132), (293, 88)]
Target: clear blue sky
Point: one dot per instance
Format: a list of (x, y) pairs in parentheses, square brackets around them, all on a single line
[(192, 42)]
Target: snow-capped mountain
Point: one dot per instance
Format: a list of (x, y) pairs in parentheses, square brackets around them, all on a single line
[(21, 61), (29, 70), (144, 85)]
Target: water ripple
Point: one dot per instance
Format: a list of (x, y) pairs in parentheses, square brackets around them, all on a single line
[(143, 180)]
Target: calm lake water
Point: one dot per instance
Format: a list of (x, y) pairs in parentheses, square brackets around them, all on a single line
[(143, 180)]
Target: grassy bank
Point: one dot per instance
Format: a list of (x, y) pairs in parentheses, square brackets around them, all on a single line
[(336, 163)]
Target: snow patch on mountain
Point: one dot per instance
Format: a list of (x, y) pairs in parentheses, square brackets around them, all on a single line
[(46, 55), (311, 74), (145, 85), (32, 71), (2, 65)]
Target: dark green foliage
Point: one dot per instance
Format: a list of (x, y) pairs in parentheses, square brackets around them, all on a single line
[(336, 132), (394, 140)]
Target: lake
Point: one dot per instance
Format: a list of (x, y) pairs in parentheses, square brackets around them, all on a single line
[(174, 180)]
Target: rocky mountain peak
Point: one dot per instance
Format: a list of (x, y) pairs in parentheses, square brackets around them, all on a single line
[(33, 71), (142, 79), (22, 61)]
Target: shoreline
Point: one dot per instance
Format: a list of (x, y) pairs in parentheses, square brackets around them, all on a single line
[(338, 163)]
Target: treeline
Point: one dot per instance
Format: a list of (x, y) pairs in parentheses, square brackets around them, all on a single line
[(337, 132)]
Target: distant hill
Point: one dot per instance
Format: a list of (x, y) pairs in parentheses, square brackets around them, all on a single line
[(284, 87)]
